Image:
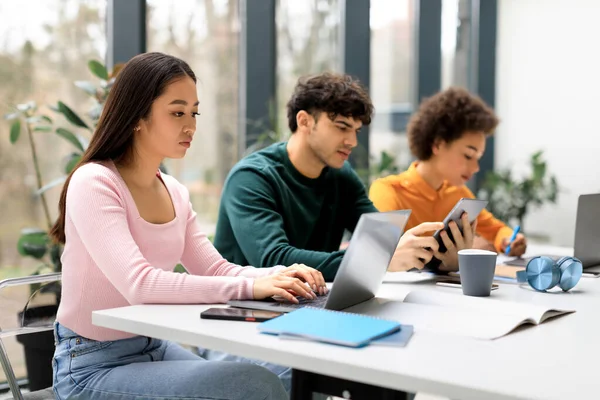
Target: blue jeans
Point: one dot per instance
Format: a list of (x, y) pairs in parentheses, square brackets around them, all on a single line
[(284, 373), (145, 368)]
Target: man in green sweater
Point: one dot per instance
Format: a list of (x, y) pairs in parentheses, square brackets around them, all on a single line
[(291, 202)]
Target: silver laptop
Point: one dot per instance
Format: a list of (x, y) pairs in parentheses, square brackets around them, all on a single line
[(587, 234), (361, 271)]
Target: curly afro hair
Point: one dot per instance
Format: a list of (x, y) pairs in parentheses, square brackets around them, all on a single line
[(334, 94), (447, 116)]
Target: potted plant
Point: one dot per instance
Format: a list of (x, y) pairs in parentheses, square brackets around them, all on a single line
[(28, 120), (510, 199)]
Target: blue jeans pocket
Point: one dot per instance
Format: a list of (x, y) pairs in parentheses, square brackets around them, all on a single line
[(79, 346)]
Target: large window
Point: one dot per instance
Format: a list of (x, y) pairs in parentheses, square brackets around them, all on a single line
[(391, 84), (45, 48), (307, 43), (456, 43), (205, 34)]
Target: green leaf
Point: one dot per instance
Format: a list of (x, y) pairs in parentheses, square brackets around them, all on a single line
[(47, 119), (15, 131), (50, 185), (72, 162), (33, 243), (70, 136), (87, 87), (98, 69), (71, 116), (42, 129)]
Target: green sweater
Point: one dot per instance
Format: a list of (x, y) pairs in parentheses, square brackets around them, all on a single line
[(271, 214)]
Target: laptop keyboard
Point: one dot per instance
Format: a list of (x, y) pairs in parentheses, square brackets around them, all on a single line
[(319, 302)]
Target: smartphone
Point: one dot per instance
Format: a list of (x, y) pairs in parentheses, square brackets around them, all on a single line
[(465, 205), (239, 314), (458, 286)]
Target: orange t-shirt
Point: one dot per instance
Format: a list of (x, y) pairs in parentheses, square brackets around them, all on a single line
[(408, 190)]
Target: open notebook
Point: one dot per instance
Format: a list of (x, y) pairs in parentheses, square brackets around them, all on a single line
[(456, 314)]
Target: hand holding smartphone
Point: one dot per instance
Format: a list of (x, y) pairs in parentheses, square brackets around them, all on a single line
[(465, 205)]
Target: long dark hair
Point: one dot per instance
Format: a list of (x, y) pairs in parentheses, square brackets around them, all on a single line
[(138, 84)]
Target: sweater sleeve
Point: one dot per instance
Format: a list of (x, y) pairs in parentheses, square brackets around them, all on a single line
[(259, 228), (97, 212)]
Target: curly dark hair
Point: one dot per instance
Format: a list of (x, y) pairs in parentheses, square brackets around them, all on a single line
[(447, 116), (334, 94)]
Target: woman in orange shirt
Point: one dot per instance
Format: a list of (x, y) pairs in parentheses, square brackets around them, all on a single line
[(447, 135)]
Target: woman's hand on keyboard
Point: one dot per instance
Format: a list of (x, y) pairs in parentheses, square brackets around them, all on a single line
[(313, 277), (281, 284)]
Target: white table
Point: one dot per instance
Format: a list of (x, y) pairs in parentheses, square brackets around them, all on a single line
[(556, 360)]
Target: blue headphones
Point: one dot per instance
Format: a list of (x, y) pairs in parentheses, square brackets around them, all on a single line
[(543, 273)]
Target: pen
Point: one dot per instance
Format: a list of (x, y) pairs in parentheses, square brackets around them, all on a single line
[(512, 239)]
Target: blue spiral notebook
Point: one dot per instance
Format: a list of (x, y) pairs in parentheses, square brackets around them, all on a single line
[(336, 327)]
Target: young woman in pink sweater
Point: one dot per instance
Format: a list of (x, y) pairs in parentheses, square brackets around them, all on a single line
[(125, 226)]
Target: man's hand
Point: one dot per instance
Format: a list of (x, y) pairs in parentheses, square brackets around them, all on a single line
[(517, 247), (414, 250), (462, 241)]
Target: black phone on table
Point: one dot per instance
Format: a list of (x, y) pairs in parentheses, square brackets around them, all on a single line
[(238, 314), (465, 205)]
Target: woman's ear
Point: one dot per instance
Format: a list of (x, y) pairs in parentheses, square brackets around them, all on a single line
[(437, 146), (141, 126)]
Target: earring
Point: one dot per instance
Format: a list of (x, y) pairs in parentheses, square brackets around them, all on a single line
[(137, 129)]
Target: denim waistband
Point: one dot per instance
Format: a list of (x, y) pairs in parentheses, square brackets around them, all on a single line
[(61, 333)]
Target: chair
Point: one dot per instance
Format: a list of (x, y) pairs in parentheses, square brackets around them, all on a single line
[(45, 394)]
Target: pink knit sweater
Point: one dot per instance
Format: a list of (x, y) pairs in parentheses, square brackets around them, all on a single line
[(114, 258)]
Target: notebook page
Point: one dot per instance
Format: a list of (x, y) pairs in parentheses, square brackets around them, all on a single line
[(487, 305), (449, 321)]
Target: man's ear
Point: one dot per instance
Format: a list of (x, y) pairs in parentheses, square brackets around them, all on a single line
[(303, 119)]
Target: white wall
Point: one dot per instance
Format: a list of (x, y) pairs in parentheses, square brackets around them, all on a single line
[(548, 97)]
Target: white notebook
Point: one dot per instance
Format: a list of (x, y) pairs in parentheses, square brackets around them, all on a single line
[(478, 317)]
